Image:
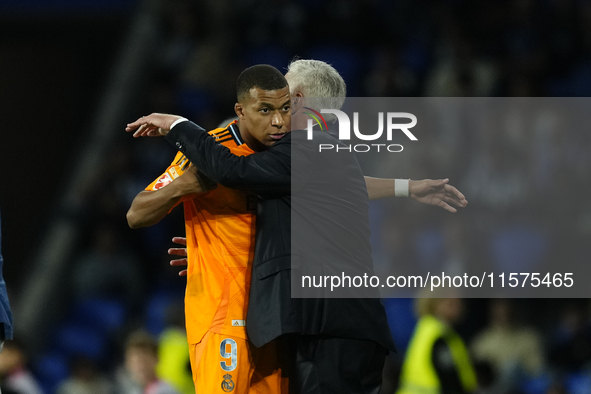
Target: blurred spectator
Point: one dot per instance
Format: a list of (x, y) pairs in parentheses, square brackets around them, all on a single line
[(14, 373), (459, 71), (85, 379), (437, 359), (174, 365), (388, 77), (515, 352), (139, 375)]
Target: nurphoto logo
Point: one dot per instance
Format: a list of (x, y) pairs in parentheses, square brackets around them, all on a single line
[(345, 130)]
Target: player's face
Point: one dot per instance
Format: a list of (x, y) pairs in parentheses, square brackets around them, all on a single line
[(265, 117)]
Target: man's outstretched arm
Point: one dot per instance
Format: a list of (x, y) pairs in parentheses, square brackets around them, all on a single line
[(427, 191)]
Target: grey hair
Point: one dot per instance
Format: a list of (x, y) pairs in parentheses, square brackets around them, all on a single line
[(319, 80)]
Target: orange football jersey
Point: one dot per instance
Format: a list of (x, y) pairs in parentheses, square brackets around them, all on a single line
[(220, 228)]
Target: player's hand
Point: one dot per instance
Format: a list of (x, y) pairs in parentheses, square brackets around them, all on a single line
[(179, 252), (153, 125), (437, 192)]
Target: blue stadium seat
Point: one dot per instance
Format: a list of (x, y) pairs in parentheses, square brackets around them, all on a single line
[(518, 248), (415, 55), (50, 369), (193, 101), (536, 385), (342, 57), (401, 319), (276, 56), (429, 245), (105, 314), (577, 83), (76, 339), (157, 308), (578, 383)]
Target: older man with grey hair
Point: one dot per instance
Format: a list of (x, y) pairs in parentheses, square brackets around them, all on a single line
[(315, 78)]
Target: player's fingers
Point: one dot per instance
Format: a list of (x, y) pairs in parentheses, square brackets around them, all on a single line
[(180, 240), (183, 273), (178, 263), (177, 251)]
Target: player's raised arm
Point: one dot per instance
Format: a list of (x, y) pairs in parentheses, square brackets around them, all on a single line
[(151, 206), (427, 191)]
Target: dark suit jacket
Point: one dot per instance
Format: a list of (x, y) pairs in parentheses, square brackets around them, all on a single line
[(331, 231)]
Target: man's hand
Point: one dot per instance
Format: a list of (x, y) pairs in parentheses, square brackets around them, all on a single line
[(179, 252), (154, 125), (437, 192)]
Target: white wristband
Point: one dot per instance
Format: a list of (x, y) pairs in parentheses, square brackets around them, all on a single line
[(401, 187), (177, 122)]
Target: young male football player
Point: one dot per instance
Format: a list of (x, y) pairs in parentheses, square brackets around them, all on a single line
[(220, 231)]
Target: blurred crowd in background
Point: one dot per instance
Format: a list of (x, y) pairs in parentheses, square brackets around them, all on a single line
[(528, 190)]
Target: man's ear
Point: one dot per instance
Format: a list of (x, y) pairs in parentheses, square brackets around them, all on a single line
[(297, 101), (239, 109)]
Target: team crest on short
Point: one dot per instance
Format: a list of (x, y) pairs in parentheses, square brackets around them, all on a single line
[(228, 383)]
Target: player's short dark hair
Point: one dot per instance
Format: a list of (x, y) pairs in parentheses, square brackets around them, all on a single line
[(262, 76)]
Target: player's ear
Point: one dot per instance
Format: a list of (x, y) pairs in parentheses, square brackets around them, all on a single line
[(239, 109)]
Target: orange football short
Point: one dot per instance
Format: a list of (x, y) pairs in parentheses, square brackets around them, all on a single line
[(228, 364)]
